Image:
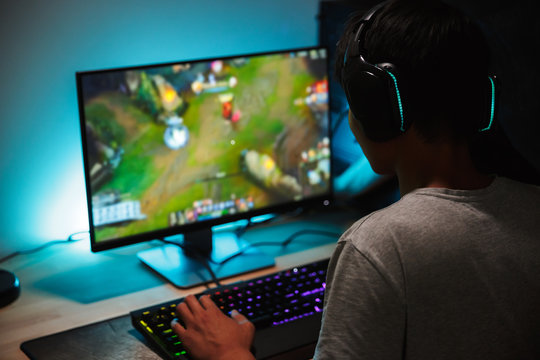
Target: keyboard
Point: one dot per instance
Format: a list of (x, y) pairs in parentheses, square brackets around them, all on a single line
[(284, 306)]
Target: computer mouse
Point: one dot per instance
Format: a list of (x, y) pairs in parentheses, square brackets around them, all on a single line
[(10, 287)]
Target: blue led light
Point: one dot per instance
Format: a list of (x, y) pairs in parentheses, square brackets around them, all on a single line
[(492, 110), (402, 128)]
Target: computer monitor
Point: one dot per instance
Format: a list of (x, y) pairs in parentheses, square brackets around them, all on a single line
[(178, 148)]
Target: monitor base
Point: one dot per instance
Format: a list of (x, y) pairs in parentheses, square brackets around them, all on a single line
[(183, 271)]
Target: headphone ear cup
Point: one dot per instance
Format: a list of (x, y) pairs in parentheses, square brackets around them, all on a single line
[(373, 101)]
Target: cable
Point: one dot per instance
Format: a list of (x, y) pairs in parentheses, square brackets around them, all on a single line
[(203, 260), (250, 223), (303, 232), (284, 243), (70, 238)]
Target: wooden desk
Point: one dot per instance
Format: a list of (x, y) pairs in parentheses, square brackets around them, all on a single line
[(47, 305)]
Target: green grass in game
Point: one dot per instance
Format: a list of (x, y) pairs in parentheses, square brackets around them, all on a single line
[(146, 164)]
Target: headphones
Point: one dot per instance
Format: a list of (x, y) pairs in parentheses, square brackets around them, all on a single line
[(373, 93)]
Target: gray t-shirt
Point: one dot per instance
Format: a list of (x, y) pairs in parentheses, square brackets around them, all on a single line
[(440, 274)]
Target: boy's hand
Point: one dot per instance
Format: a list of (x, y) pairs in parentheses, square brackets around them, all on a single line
[(209, 334)]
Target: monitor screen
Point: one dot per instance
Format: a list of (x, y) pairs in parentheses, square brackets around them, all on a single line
[(178, 146)]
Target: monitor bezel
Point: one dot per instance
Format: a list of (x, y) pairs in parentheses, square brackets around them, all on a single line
[(313, 202)]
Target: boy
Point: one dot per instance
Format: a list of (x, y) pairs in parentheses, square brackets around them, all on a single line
[(450, 271)]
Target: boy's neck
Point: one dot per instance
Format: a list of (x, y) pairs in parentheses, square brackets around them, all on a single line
[(438, 165)]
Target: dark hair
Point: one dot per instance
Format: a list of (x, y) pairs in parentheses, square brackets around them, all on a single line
[(442, 60)]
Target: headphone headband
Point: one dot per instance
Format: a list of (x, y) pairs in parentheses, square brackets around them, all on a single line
[(364, 25), (358, 48)]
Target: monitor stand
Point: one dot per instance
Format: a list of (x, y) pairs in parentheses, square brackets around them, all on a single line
[(184, 269)]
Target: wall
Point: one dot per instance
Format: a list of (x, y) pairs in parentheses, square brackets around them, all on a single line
[(43, 44), (512, 31)]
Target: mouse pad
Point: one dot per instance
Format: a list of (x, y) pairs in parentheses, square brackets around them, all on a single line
[(117, 339)]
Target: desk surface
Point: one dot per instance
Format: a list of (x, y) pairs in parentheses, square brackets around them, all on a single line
[(67, 286)]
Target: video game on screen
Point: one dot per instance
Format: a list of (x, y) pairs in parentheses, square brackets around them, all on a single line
[(175, 144)]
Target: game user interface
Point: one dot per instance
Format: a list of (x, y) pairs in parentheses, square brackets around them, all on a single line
[(168, 145)]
